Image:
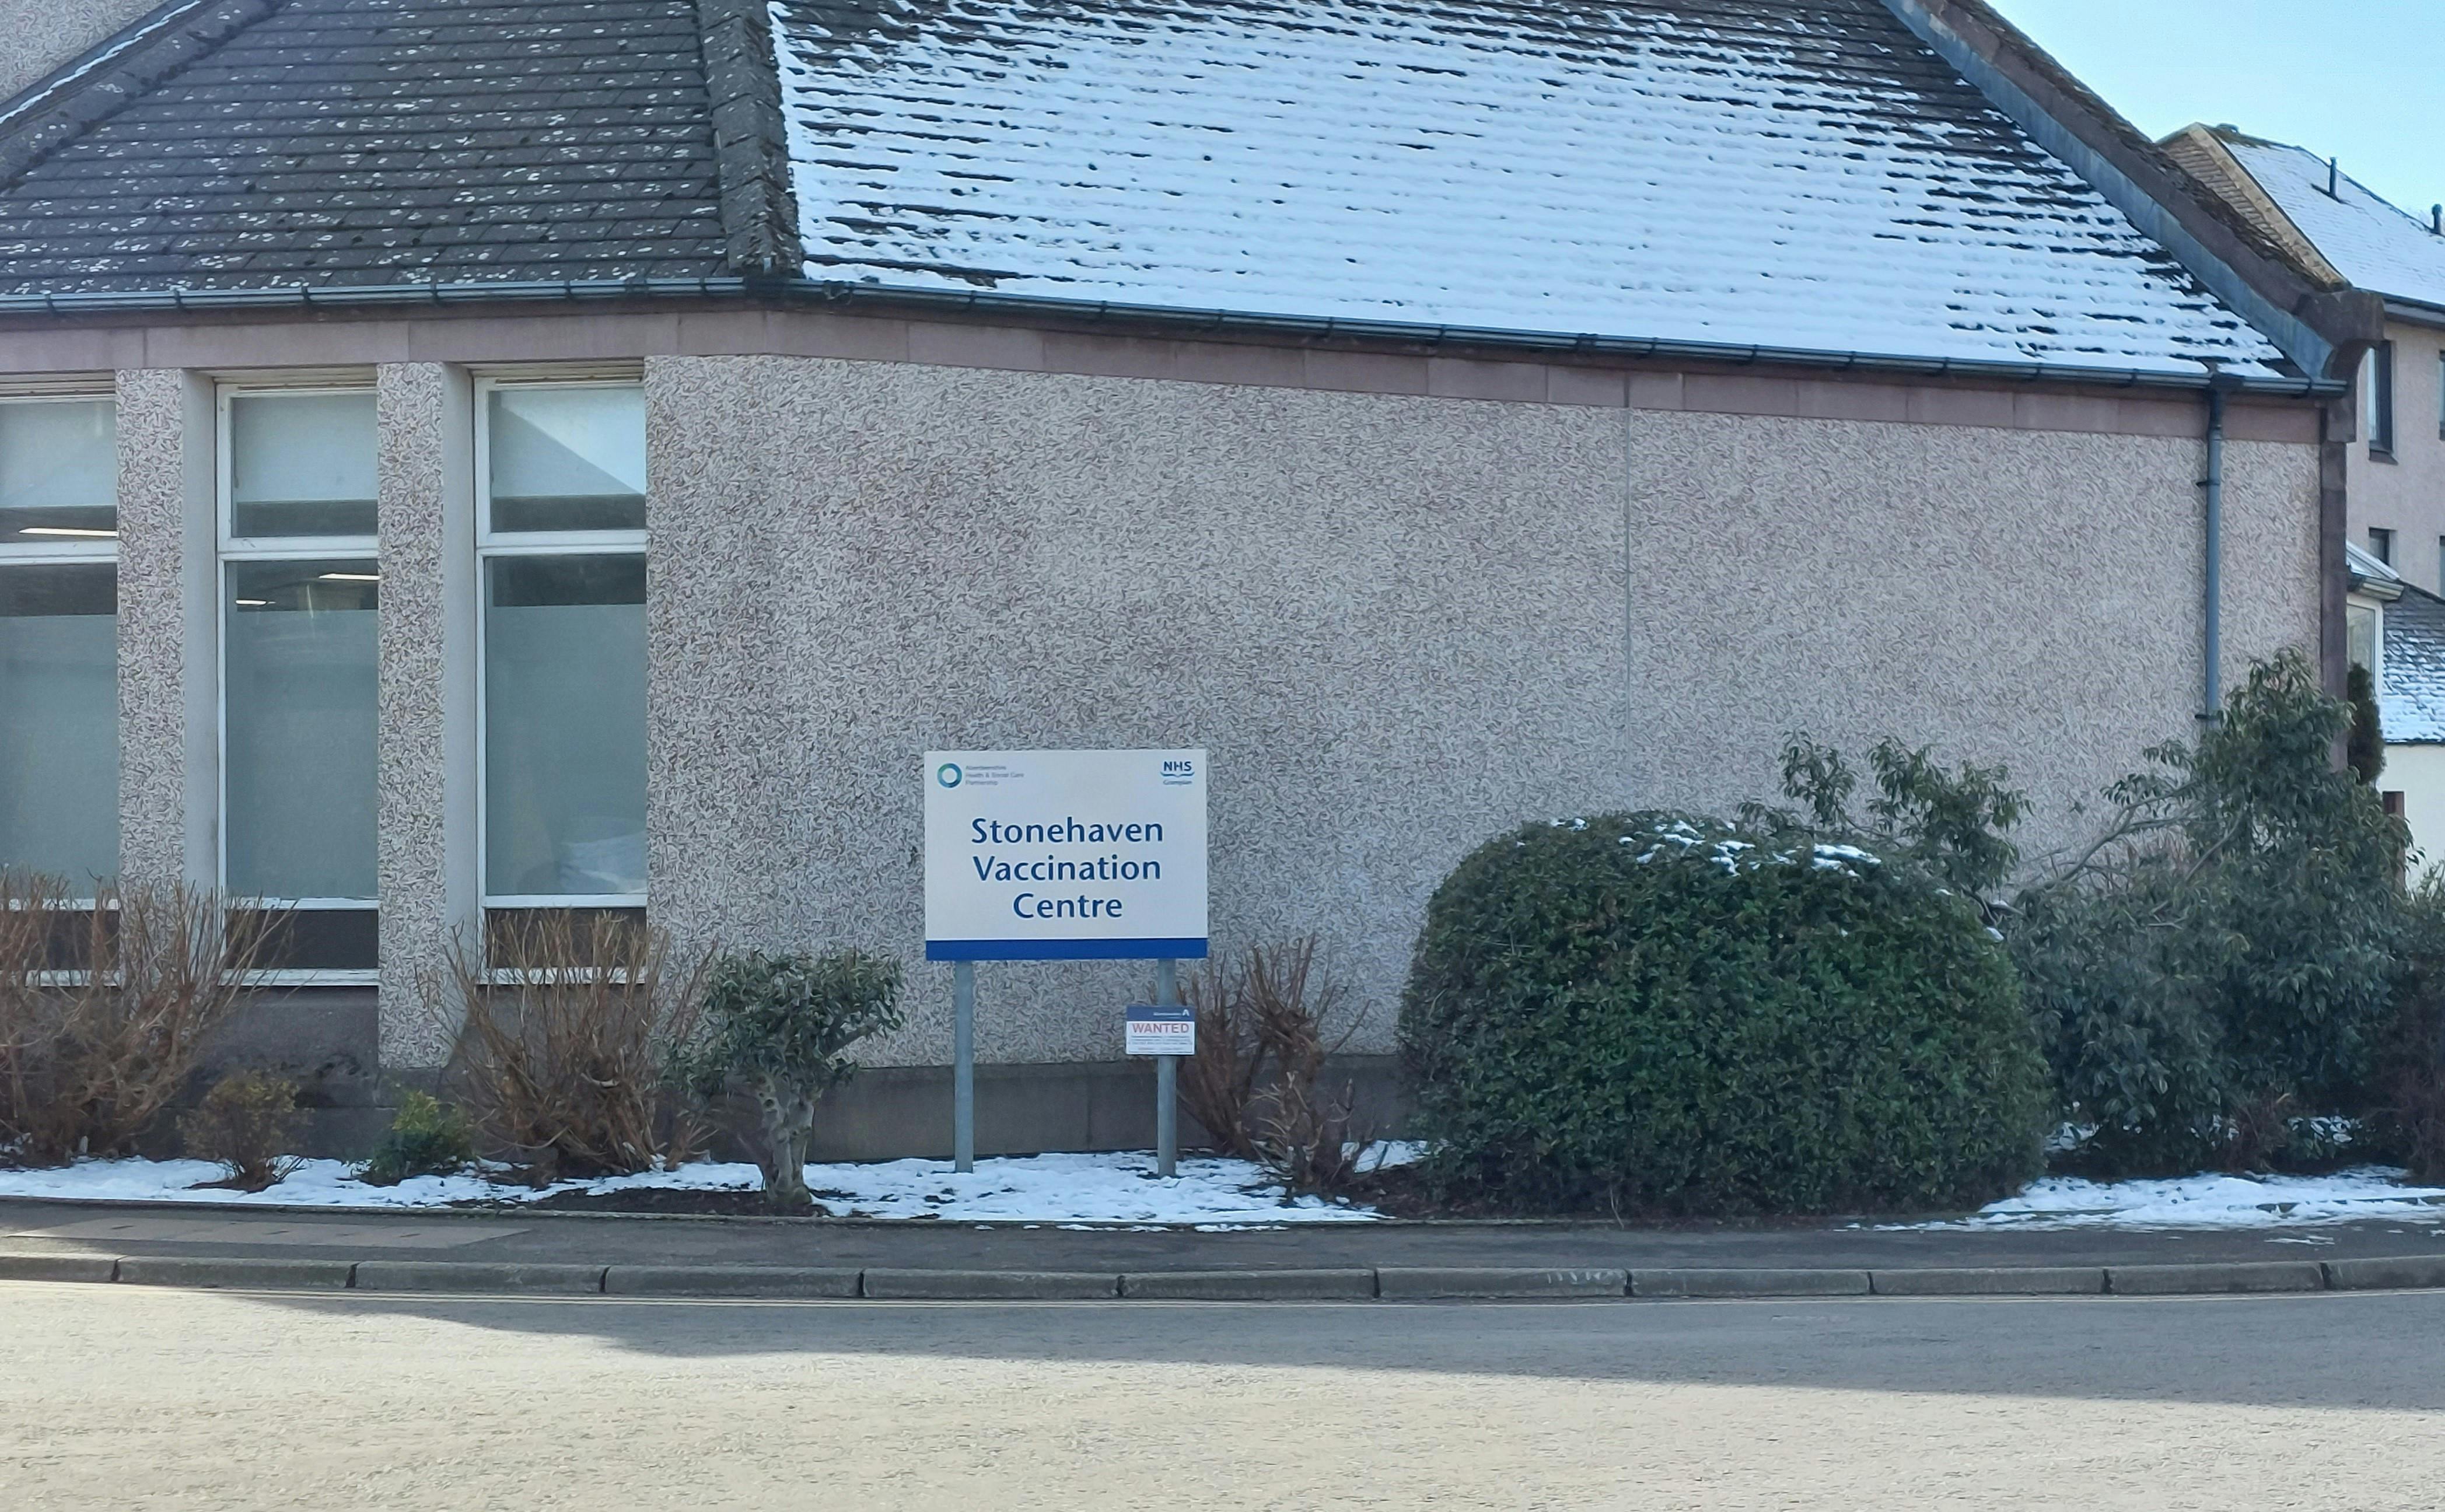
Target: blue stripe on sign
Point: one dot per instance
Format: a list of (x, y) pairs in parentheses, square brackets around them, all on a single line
[(1065, 949)]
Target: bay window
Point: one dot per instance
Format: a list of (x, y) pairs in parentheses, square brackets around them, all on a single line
[(59, 646)]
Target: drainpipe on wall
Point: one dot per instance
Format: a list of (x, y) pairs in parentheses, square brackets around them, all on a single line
[(2211, 605)]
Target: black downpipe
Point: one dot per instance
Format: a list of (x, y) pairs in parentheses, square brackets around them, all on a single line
[(2212, 607)]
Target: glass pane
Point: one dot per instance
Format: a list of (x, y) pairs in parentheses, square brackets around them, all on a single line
[(565, 726), (59, 471), (298, 767), (568, 458), (301, 464), (59, 719), (318, 938)]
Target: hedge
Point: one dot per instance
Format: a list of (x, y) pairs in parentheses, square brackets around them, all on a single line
[(1661, 1013)]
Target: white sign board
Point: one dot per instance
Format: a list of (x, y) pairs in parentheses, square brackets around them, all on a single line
[(1065, 856), (1160, 1032)]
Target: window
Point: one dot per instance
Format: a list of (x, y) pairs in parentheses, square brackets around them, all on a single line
[(300, 600), (2359, 636), (2379, 398), (2381, 544), (561, 516), (59, 637)]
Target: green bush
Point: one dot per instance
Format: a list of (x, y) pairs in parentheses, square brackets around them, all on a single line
[(248, 1122), (776, 1026), (1657, 1012), (425, 1139), (2221, 961)]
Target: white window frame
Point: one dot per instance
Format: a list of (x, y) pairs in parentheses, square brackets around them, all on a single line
[(489, 546), (233, 549), (86, 549), (70, 551), (2379, 394)]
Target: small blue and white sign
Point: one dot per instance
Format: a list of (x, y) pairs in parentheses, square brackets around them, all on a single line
[(1161, 1031), (1065, 856)]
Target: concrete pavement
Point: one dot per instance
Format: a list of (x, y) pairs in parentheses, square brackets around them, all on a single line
[(540, 1252), (140, 1398)]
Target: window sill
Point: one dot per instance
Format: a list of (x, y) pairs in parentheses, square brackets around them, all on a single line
[(311, 976)]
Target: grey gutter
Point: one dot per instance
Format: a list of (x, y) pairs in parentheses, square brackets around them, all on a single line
[(865, 297), (2414, 311)]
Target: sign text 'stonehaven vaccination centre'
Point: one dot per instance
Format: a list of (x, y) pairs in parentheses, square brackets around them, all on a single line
[(1065, 856)]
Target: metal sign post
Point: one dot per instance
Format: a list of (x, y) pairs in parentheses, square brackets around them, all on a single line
[(963, 1065), (1166, 1078), (1065, 856), (1166, 1030)]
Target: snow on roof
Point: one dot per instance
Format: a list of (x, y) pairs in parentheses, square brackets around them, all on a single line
[(2364, 564), (2411, 703), (1802, 174), (2370, 242)]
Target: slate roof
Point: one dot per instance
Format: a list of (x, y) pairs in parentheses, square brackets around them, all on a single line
[(365, 141), (1801, 175), (2370, 242), (1793, 173), (2411, 706)]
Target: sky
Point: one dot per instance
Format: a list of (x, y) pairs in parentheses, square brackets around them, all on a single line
[(2358, 80)]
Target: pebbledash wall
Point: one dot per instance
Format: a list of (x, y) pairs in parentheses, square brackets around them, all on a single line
[(1405, 601), (1401, 622)]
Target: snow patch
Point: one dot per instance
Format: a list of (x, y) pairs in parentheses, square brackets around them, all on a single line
[(2208, 1201), (1081, 1188)]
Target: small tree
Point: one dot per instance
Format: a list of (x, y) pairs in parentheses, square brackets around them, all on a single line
[(248, 1122), (775, 1026)]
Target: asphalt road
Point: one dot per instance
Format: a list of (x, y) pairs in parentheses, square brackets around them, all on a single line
[(130, 1397)]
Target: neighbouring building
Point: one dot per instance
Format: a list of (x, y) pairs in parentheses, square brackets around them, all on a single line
[(2347, 237), (461, 456)]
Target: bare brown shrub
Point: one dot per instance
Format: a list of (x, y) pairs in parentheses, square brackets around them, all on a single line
[(1269, 1020), (1219, 1081), (565, 1069), (248, 1122), (103, 1010)]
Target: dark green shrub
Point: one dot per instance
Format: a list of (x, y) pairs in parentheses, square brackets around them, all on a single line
[(2406, 1120), (1657, 1012), (2221, 961), (2365, 752), (775, 1026), (425, 1139), (248, 1122)]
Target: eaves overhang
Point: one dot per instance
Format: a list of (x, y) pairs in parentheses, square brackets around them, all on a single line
[(2321, 332), (1162, 320)]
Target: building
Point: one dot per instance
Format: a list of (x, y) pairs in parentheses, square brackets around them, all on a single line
[(2347, 237), (464, 456)]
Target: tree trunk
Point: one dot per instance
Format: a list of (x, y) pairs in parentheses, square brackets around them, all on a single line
[(788, 1116)]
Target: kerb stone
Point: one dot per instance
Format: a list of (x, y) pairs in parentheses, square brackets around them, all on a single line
[(1251, 1286), (1758, 1282), (1427, 1282)]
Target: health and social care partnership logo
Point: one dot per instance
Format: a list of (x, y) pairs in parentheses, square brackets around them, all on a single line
[(949, 774)]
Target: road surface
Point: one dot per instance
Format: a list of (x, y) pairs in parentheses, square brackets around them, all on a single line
[(121, 1397)]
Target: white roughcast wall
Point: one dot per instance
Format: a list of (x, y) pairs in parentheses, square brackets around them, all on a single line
[(1399, 624)]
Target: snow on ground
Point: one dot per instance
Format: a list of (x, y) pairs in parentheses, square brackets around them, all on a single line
[(2211, 1202), (1105, 1188)]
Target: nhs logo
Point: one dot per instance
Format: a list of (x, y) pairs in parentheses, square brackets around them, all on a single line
[(1178, 771)]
